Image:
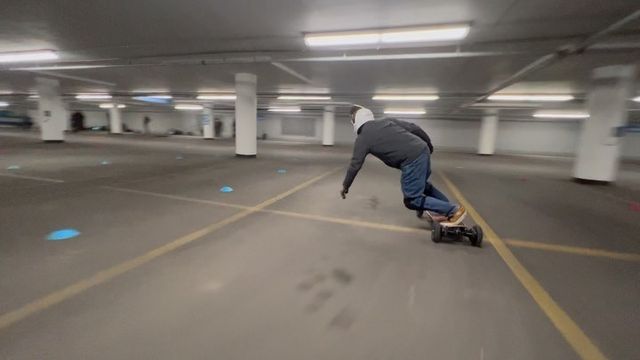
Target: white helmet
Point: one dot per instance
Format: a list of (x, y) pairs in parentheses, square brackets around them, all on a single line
[(359, 116)]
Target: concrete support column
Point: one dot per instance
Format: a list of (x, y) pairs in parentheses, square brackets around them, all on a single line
[(246, 115), (488, 134), (599, 144), (115, 120), (51, 110), (329, 126), (206, 119)]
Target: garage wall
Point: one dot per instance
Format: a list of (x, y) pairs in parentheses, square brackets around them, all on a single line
[(631, 146), (344, 131), (530, 137), (161, 122), (538, 137), (271, 125)]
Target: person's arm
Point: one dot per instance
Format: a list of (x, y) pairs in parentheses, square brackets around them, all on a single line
[(360, 152), (415, 130)]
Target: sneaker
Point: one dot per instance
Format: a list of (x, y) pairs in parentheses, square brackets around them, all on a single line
[(457, 216)]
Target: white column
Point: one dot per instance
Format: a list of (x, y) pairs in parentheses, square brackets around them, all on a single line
[(599, 145), (227, 127), (329, 126), (246, 115), (206, 119), (488, 134), (115, 120), (51, 110)]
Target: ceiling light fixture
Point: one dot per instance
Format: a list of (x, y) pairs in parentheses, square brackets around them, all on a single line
[(59, 67), (188, 107), (163, 97), (4, 104), (637, 99), (559, 114), (406, 97), (389, 36), (385, 57), (342, 39), (435, 33), (303, 97), (110, 106), (405, 111), (217, 97), (153, 99), (285, 109), (33, 97), (23, 56), (505, 97), (93, 96)]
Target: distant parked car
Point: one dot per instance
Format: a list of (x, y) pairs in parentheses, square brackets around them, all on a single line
[(8, 118), (175, 132), (99, 128)]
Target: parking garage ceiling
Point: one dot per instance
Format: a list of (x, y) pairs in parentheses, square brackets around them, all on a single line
[(195, 46)]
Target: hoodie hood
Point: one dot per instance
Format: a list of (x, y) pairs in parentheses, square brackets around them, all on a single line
[(363, 116)]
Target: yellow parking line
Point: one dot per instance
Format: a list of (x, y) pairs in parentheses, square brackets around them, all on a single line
[(390, 227), (101, 277), (572, 333), (36, 178), (329, 219), (578, 250)]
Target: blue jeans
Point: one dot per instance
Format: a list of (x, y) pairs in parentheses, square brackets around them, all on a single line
[(419, 193)]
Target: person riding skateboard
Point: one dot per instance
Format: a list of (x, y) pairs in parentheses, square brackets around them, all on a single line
[(405, 146)]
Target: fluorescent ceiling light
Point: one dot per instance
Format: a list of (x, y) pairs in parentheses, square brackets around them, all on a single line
[(285, 109), (405, 111), (59, 67), (188, 107), (163, 97), (22, 56), (93, 96), (412, 56), (406, 97), (110, 106), (443, 33), (388, 36), (217, 97), (4, 104), (341, 39), (153, 99), (560, 114), (33, 97), (303, 97), (637, 99), (505, 97)]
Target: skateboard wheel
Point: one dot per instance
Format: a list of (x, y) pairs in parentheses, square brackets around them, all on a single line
[(478, 235), (436, 232)]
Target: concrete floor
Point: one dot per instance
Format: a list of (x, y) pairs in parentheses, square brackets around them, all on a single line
[(286, 279)]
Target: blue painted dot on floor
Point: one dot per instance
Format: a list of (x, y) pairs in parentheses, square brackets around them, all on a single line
[(226, 189), (281, 171), (105, 162), (63, 234), (13, 167)]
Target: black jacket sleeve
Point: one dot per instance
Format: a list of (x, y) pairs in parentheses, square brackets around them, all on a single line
[(360, 152), (415, 130)]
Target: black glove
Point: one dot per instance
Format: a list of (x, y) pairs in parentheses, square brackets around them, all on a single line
[(344, 193)]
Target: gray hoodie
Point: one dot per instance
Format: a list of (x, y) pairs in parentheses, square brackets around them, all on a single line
[(393, 141)]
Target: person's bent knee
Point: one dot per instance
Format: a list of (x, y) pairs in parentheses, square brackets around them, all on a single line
[(409, 204)]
